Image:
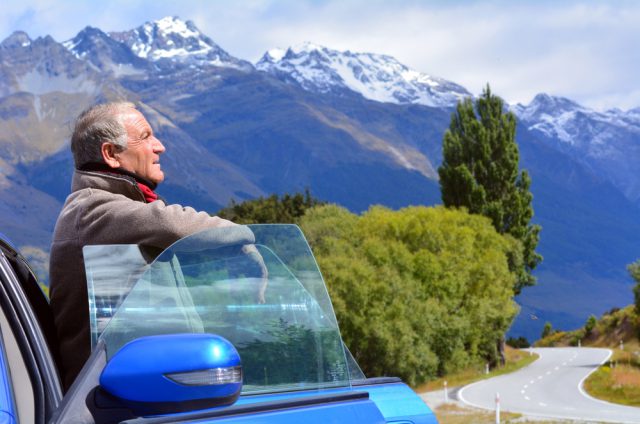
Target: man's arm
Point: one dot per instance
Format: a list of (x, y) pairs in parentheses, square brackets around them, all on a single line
[(155, 224), (124, 221)]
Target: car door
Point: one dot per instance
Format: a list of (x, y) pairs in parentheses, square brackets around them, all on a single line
[(30, 388), (31, 380)]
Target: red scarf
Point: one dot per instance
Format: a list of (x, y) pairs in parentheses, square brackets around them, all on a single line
[(149, 195)]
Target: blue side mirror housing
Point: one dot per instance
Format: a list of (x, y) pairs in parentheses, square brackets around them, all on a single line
[(174, 373)]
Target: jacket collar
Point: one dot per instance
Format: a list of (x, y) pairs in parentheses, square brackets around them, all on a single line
[(113, 183), (103, 167)]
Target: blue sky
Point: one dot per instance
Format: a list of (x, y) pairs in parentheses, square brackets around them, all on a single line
[(585, 50)]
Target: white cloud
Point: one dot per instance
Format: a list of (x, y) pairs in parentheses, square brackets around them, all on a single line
[(583, 50)]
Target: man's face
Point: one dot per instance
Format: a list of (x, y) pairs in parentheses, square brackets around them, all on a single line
[(142, 155)]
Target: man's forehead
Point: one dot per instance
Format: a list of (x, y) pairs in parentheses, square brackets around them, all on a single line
[(134, 117)]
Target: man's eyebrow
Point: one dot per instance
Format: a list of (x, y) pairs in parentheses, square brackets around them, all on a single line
[(143, 136)]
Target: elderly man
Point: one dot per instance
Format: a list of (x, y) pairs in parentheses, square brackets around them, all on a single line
[(112, 201)]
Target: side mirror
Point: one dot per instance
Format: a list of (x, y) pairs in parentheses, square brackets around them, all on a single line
[(174, 373)]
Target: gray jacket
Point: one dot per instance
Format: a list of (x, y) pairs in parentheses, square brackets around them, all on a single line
[(104, 209)]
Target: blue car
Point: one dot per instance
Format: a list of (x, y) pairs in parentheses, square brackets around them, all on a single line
[(210, 331)]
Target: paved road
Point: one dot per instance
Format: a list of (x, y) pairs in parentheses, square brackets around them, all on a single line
[(551, 387)]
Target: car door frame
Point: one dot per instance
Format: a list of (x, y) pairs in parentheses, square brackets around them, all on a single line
[(29, 336)]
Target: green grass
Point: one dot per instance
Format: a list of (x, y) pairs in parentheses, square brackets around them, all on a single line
[(516, 359), (617, 381), (453, 414)]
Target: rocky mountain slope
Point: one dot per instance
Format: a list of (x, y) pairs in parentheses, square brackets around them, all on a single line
[(605, 142), (376, 77)]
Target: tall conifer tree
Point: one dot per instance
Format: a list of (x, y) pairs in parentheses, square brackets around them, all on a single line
[(480, 172)]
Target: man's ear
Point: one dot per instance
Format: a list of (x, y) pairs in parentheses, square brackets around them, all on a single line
[(109, 151)]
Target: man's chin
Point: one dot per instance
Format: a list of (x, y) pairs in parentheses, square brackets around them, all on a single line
[(157, 179)]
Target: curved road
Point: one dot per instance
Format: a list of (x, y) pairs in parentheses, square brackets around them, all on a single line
[(551, 387)]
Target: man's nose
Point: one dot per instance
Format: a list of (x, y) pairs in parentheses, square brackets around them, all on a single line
[(158, 147)]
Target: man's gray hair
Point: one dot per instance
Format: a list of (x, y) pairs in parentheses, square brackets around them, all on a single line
[(96, 125)]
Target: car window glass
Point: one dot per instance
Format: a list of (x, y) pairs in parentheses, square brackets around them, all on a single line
[(355, 372), (290, 341), (111, 272)]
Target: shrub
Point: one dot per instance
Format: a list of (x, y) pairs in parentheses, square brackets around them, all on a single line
[(418, 292), (590, 325), (519, 343)]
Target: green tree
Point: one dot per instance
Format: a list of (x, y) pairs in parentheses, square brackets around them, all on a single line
[(518, 343), (590, 324), (547, 330), (480, 173), (634, 270), (270, 210), (418, 292)]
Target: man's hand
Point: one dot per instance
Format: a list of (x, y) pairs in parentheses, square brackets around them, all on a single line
[(252, 252)]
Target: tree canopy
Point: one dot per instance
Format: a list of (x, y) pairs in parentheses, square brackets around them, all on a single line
[(480, 173), (270, 210), (418, 292), (634, 271)]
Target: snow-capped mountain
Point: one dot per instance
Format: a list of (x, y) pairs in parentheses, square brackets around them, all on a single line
[(103, 52), (606, 142), (571, 123), (178, 41), (376, 77)]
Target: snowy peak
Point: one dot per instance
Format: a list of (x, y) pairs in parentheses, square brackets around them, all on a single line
[(273, 56), (102, 51), (16, 40), (167, 38), (86, 40), (545, 106), (376, 77), (176, 40), (567, 121)]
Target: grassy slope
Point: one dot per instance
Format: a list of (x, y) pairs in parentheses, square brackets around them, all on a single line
[(516, 359), (618, 380)]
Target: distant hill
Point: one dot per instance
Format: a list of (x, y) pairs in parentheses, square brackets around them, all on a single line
[(610, 330), (356, 128)]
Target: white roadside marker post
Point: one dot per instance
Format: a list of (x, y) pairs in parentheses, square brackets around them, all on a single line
[(497, 408), (579, 343), (446, 395), (486, 368)]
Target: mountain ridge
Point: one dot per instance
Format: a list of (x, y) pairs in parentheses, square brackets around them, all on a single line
[(375, 77)]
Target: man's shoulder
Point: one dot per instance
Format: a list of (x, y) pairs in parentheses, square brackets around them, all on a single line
[(93, 195)]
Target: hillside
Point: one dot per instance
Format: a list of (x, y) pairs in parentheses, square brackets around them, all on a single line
[(615, 328)]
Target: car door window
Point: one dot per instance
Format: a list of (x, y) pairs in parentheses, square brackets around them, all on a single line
[(289, 342)]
